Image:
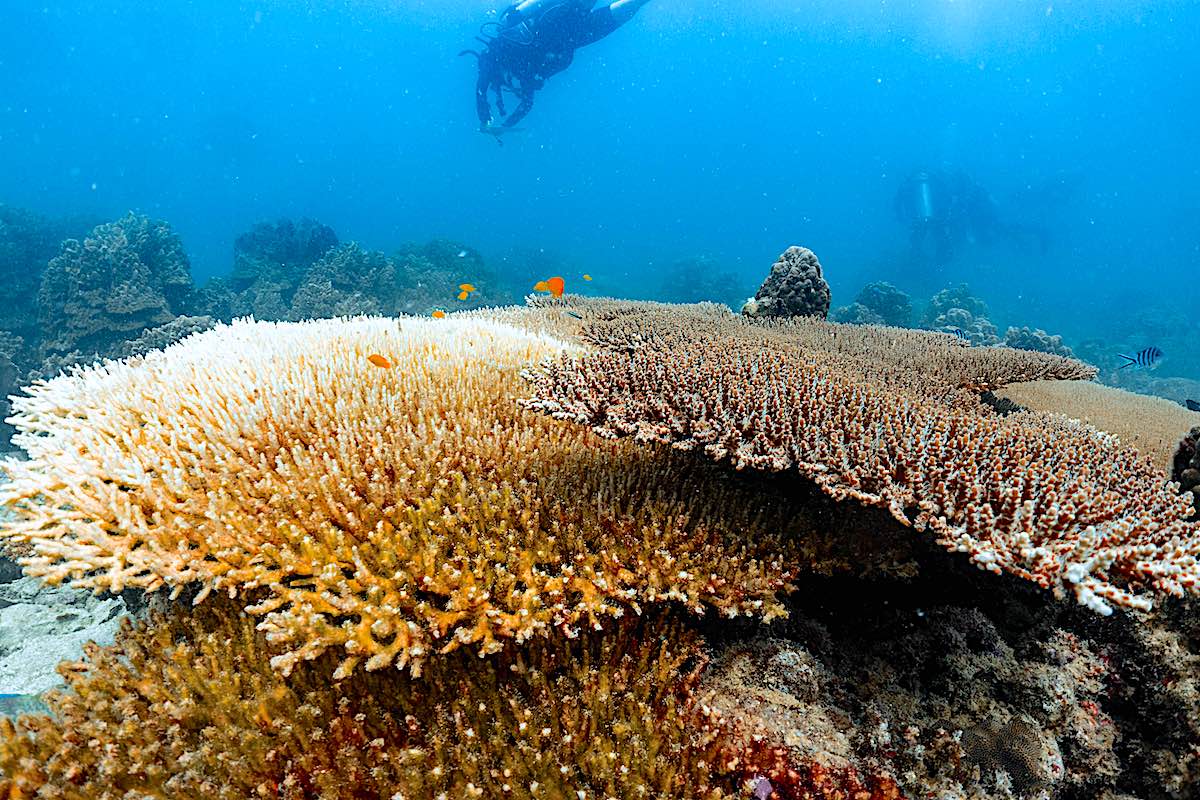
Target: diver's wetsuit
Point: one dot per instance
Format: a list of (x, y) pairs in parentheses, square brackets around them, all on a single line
[(536, 40)]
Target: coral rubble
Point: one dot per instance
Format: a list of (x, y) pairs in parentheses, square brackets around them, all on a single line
[(795, 287)]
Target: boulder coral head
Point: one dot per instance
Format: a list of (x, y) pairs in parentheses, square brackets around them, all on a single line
[(795, 287)]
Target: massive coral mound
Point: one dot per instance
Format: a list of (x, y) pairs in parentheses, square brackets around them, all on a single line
[(27, 242), (1046, 498), (190, 707), (795, 287), (125, 277), (379, 478)]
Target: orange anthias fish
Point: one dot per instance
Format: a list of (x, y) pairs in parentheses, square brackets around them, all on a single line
[(541, 286), (467, 287), (439, 314), (379, 361), (464, 294), (555, 286), (587, 277)]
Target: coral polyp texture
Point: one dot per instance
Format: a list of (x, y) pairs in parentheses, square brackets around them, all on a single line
[(190, 707), (1046, 498), (379, 480)]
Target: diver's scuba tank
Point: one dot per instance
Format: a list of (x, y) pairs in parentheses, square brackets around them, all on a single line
[(923, 190)]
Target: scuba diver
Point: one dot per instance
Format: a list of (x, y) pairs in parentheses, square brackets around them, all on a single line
[(946, 209), (533, 41)]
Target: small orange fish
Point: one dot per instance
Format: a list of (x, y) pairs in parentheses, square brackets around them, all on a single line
[(463, 295), (379, 361), (439, 314), (556, 285), (587, 277), (466, 287), (541, 286)]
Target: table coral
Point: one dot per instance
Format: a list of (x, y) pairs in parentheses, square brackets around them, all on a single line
[(1048, 499), (390, 512)]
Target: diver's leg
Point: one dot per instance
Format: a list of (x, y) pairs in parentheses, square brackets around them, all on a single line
[(606, 19), (623, 10)]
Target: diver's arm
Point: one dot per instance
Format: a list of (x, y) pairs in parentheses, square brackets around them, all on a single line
[(482, 109), (518, 114)]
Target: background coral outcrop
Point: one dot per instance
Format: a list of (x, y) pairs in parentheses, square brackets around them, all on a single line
[(269, 264), (1026, 338), (878, 303), (957, 309), (125, 277), (795, 287)]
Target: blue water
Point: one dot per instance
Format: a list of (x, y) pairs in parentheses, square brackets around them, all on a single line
[(725, 129)]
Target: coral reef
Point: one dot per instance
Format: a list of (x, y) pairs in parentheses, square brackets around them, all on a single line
[(1150, 425), (700, 279), (269, 264), (957, 309), (163, 336), (190, 707), (879, 303), (27, 242), (346, 281), (393, 512), (429, 275), (961, 684), (856, 314), (1026, 338), (795, 287), (1185, 465), (125, 277), (1048, 499)]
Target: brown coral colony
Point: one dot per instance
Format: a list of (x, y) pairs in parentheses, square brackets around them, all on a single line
[(1040, 497)]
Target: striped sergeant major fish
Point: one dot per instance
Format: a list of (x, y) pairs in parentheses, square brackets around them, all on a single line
[(1146, 357)]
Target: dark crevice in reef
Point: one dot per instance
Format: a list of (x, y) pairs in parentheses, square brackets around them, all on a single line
[(1066, 702)]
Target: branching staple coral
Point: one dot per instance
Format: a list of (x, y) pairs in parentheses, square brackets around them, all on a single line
[(389, 511), (1048, 499), (190, 707)]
